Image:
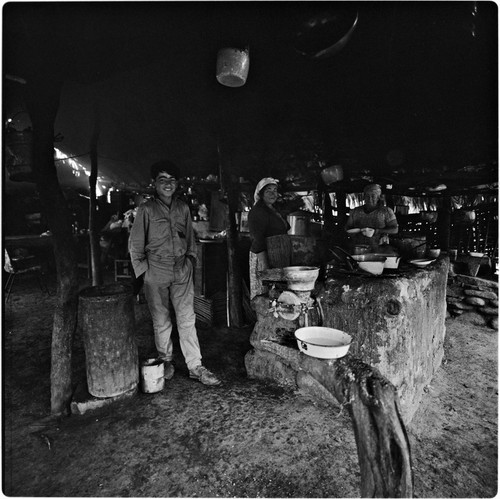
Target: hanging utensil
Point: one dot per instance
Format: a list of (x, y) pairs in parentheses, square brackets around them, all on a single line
[(346, 258)]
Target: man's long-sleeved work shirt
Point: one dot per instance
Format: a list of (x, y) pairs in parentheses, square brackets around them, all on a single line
[(161, 238)]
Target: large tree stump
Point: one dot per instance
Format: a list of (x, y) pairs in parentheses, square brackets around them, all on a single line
[(108, 326), (381, 438)]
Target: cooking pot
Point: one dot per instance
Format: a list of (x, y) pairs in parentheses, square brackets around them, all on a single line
[(391, 261), (332, 174), (299, 223), (361, 249)]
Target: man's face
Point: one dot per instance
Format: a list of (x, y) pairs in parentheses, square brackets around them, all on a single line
[(165, 184)]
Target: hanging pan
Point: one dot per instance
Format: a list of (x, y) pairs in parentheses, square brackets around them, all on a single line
[(325, 33)]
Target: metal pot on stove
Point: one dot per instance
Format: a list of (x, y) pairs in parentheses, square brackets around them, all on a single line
[(361, 249), (300, 222)]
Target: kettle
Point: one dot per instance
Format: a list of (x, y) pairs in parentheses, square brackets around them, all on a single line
[(299, 223)]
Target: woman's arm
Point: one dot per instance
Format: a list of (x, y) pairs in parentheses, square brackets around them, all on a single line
[(257, 226)]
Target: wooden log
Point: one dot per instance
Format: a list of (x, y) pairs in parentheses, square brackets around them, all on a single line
[(381, 438), (108, 325)]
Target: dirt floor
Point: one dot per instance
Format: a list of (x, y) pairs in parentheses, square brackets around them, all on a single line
[(242, 439)]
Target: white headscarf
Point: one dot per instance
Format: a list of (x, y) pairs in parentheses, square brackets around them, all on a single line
[(265, 181)]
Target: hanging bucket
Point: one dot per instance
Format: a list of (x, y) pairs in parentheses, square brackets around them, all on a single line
[(152, 380), (232, 67), (332, 174), (19, 155)]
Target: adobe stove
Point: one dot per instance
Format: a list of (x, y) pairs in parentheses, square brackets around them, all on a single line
[(396, 321)]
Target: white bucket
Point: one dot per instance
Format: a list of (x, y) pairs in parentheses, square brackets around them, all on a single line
[(232, 67), (152, 380)]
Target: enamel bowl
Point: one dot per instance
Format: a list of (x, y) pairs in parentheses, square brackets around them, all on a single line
[(323, 342), (391, 261), (421, 262), (371, 262)]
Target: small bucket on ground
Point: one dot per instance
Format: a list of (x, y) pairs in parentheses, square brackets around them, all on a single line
[(152, 380)]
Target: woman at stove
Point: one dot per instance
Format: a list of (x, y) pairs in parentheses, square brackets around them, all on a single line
[(263, 221)]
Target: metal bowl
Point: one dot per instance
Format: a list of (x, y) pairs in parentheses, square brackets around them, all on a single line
[(361, 249), (301, 278), (391, 261)]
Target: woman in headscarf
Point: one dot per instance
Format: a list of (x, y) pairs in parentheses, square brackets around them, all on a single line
[(372, 215), (263, 221)]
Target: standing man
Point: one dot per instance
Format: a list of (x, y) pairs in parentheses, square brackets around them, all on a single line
[(163, 248)]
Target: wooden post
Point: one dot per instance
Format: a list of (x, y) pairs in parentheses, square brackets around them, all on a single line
[(95, 261), (444, 223), (341, 208), (43, 93), (327, 208), (235, 295)]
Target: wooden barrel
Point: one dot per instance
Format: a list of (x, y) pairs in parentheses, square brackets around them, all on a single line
[(279, 251), (108, 326)]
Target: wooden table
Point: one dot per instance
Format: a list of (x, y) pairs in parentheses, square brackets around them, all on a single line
[(28, 241), (43, 246)]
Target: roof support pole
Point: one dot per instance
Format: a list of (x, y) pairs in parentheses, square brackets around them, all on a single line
[(95, 263), (42, 99)]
